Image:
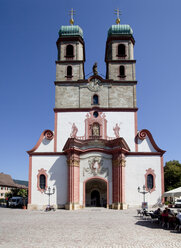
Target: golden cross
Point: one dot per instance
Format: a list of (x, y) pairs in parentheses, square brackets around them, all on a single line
[(72, 13), (118, 13)]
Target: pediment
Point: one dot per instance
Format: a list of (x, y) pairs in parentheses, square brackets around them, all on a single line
[(107, 146)]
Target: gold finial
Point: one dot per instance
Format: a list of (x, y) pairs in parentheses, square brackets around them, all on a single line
[(118, 13), (72, 13)]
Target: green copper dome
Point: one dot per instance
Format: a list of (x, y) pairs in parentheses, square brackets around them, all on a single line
[(70, 31), (119, 29)]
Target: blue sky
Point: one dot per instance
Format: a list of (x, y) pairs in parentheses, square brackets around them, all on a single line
[(29, 30)]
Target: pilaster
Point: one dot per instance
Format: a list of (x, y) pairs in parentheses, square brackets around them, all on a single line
[(73, 163), (118, 174)]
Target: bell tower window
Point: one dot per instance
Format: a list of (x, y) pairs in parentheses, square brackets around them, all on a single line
[(121, 50), (69, 71), (95, 99), (122, 71), (69, 51)]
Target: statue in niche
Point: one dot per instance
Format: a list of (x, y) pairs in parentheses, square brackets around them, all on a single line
[(94, 68), (95, 129), (74, 131), (116, 130)]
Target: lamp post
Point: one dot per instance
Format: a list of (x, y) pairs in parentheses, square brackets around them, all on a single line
[(49, 193), (144, 192)]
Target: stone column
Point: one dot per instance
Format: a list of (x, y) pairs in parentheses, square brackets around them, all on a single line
[(118, 180), (73, 163)]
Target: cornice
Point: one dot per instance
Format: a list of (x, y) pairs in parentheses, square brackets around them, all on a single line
[(96, 109)]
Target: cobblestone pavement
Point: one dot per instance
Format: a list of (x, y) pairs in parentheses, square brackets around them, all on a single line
[(93, 227)]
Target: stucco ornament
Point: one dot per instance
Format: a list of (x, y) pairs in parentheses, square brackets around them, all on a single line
[(95, 167), (116, 130), (48, 134), (74, 131), (94, 85)]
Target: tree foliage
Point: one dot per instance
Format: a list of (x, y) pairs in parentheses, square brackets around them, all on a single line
[(172, 175), (17, 192)]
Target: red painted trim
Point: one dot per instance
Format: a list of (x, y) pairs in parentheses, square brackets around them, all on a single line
[(110, 81), (126, 61), (162, 178), (95, 109), (144, 154), (92, 178), (46, 153), (55, 131), (136, 130), (150, 171), (42, 172), (69, 61), (142, 135), (40, 140), (110, 151), (30, 179)]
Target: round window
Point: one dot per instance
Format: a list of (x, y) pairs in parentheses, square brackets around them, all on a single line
[(95, 114)]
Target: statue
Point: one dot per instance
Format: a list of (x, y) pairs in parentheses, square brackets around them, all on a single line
[(95, 130), (74, 131), (116, 130), (94, 68)]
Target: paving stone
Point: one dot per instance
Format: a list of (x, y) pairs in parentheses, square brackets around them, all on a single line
[(90, 228)]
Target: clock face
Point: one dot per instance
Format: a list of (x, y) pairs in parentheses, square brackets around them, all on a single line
[(94, 84)]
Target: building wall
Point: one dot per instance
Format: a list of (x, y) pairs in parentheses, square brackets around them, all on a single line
[(3, 191), (135, 171), (78, 50), (114, 72), (111, 95), (56, 169), (77, 71), (66, 119), (106, 164)]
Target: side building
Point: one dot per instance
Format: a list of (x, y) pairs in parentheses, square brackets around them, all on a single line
[(95, 156)]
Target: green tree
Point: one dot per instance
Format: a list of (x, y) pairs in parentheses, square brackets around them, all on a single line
[(172, 175)]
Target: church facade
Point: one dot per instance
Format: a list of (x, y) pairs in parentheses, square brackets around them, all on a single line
[(96, 156)]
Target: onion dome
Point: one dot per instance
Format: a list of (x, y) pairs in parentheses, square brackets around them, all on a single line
[(120, 29), (70, 31)]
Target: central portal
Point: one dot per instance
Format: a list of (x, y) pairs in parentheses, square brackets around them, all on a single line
[(96, 193)]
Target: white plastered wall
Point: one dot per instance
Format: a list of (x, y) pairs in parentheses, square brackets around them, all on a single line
[(56, 168), (145, 145), (125, 120), (46, 146), (84, 164), (135, 171)]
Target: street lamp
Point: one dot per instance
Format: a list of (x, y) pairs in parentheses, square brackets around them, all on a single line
[(49, 193), (144, 192)]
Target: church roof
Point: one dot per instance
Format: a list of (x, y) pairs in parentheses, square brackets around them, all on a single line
[(119, 29), (70, 30)]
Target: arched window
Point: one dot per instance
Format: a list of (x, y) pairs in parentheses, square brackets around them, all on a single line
[(69, 51), (69, 71), (121, 50), (42, 181), (95, 99), (121, 71), (95, 130), (150, 182)]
